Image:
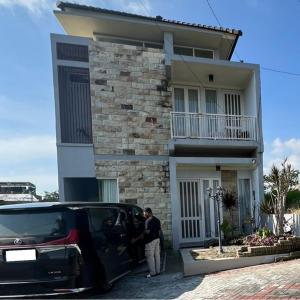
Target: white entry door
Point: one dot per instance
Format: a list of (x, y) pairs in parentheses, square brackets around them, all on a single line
[(198, 215)]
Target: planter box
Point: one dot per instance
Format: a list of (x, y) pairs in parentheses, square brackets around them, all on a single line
[(206, 266)]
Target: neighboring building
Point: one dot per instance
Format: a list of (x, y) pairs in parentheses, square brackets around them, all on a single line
[(18, 192), (153, 112)]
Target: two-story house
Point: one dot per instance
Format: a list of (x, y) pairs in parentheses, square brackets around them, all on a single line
[(154, 112)]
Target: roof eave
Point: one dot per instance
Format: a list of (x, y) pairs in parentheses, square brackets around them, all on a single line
[(63, 5)]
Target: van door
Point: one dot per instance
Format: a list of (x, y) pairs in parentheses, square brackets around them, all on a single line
[(108, 237)]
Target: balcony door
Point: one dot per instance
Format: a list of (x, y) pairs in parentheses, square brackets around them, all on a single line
[(233, 112), (185, 119), (211, 104)]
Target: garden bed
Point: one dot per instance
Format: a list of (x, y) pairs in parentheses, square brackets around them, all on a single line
[(213, 253), (210, 262)]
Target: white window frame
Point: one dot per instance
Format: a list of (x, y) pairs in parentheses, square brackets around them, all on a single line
[(109, 178), (142, 42), (186, 96), (237, 92), (195, 48)]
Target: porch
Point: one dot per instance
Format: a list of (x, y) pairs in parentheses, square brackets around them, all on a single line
[(194, 212)]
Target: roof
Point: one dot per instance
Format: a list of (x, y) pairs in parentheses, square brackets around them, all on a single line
[(16, 183), (61, 204), (63, 5), (18, 197)]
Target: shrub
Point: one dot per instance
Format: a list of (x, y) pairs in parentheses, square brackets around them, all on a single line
[(226, 227), (256, 240)]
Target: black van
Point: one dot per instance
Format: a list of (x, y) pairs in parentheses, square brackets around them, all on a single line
[(62, 248)]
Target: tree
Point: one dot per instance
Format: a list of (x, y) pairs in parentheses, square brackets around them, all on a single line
[(278, 184), (51, 196)]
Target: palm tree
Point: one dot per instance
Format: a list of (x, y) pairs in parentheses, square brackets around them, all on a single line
[(278, 183)]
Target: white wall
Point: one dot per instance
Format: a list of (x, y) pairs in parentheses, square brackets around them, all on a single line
[(197, 173), (250, 97)]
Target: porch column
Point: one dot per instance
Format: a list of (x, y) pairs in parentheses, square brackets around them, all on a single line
[(174, 203)]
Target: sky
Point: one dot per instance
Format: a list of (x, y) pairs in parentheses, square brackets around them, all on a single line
[(27, 121)]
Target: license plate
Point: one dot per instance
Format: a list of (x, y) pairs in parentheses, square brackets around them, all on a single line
[(20, 255)]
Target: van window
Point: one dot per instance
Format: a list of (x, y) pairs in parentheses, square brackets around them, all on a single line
[(30, 224), (102, 217)]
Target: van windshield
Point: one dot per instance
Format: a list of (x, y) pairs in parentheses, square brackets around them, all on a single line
[(24, 223)]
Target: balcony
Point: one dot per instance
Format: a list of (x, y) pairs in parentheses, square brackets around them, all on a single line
[(213, 126)]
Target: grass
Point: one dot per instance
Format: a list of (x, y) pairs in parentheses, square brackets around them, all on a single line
[(213, 253)]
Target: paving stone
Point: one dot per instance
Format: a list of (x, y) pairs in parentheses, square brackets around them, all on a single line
[(271, 281)]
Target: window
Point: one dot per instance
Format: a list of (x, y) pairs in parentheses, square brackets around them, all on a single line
[(203, 53), (101, 216), (189, 51), (72, 52), (108, 190), (183, 51), (44, 224), (186, 100), (130, 42)]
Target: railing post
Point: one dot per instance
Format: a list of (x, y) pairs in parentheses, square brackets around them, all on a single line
[(171, 124)]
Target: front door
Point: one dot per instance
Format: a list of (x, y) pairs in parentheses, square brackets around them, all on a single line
[(198, 215)]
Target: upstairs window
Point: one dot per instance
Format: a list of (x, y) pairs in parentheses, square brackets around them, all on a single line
[(72, 52), (197, 52), (130, 42)]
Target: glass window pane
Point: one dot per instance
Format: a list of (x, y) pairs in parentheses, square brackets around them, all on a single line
[(193, 101), (179, 99), (204, 53), (183, 51), (211, 101), (23, 224), (108, 190)]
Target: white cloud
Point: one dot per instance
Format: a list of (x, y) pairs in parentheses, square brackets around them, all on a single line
[(29, 158), (33, 6), (24, 149), (280, 149), (37, 7)]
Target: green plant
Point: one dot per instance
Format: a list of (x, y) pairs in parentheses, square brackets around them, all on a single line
[(264, 232), (226, 227), (266, 206), (260, 232), (229, 200), (278, 184)]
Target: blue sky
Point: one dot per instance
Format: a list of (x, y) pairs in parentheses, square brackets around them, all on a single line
[(27, 126)]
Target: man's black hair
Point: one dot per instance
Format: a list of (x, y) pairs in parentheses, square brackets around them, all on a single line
[(148, 210)]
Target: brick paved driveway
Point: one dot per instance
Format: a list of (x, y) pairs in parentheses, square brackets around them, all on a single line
[(272, 281)]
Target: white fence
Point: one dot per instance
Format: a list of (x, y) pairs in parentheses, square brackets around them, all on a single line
[(213, 126), (293, 220)]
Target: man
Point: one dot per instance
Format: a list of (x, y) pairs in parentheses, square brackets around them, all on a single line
[(152, 242)]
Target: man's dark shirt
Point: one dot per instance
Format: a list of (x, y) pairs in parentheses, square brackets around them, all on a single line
[(153, 225)]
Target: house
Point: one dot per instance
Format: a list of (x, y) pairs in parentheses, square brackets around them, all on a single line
[(154, 112), (14, 192)]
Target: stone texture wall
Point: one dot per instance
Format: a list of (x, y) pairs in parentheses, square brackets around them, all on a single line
[(229, 183), (131, 116), (145, 183), (130, 108)]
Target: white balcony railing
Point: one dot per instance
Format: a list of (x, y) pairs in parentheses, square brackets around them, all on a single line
[(213, 126)]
